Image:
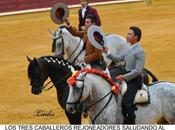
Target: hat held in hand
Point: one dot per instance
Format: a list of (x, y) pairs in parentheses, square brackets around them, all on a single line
[(96, 36), (59, 12)]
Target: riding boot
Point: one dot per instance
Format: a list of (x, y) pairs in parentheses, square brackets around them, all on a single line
[(129, 120), (125, 121), (131, 114)]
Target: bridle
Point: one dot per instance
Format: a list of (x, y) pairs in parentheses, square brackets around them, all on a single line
[(78, 102), (81, 107), (62, 43), (57, 82), (62, 55), (73, 52)]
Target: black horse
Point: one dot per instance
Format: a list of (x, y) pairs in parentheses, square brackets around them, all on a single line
[(59, 70)]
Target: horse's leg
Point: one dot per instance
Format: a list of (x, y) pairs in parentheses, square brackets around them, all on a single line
[(73, 118), (162, 121), (169, 117)]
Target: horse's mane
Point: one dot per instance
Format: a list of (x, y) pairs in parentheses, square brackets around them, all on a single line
[(62, 27), (42, 60), (62, 59), (30, 69)]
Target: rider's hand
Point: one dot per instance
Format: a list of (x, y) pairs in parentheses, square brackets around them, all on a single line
[(80, 60), (67, 21), (83, 28), (105, 50), (120, 78)]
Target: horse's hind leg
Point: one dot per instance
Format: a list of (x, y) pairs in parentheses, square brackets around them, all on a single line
[(170, 118), (162, 121), (74, 118)]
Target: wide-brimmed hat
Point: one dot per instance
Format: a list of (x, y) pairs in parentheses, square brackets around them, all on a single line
[(96, 36), (58, 12)]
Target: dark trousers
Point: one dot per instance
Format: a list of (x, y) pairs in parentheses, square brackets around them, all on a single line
[(99, 64), (128, 108)]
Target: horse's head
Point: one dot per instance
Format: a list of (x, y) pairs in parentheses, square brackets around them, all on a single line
[(58, 45), (37, 75), (77, 94)]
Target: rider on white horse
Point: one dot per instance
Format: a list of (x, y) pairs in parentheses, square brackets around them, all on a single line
[(93, 55), (134, 63)]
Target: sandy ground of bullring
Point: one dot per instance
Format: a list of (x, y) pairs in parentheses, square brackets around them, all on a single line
[(27, 34)]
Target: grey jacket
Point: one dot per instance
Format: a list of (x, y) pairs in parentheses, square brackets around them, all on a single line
[(134, 61)]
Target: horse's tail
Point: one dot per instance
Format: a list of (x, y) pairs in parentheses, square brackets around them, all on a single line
[(154, 78)]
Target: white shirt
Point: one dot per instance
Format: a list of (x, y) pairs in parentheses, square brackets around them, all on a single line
[(83, 11), (132, 46)]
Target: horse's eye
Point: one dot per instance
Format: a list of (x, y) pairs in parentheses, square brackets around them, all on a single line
[(59, 44)]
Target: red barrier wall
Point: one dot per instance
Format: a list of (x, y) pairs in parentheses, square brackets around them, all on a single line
[(16, 5)]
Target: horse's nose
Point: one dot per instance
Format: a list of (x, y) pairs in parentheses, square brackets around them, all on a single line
[(36, 90), (70, 108)]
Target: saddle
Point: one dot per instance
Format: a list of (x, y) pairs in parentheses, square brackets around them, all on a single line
[(142, 95)]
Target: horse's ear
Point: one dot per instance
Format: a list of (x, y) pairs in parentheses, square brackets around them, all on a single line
[(51, 32), (79, 82), (61, 31), (28, 59), (35, 60)]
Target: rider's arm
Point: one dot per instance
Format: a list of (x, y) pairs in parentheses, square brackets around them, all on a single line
[(94, 56), (75, 32), (116, 58), (140, 61)]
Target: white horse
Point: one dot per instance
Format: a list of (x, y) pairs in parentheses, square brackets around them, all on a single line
[(90, 88), (65, 42)]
